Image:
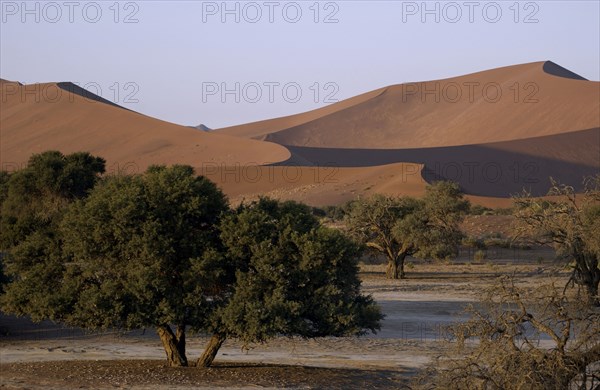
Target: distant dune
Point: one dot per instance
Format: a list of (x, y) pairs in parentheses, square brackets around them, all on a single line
[(202, 127), (533, 122), (495, 132), (504, 104), (62, 116)]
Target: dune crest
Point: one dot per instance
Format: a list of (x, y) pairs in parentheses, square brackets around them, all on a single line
[(557, 70)]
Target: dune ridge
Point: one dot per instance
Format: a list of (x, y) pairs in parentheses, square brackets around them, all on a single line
[(260, 129), (503, 104), (62, 116), (393, 140)]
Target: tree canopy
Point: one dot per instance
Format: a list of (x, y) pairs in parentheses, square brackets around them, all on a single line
[(162, 249), (292, 277), (33, 202), (397, 227), (136, 251)]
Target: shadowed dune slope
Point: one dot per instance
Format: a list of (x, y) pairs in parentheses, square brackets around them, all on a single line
[(488, 173), (494, 169), (62, 116), (504, 104)]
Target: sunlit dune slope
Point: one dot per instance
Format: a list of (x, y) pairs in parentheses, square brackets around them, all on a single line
[(314, 185), (62, 116), (504, 104)]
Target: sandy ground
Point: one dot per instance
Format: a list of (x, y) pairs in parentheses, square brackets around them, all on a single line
[(412, 334)]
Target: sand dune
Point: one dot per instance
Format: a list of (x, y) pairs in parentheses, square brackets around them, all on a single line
[(496, 132), (315, 185), (504, 104), (494, 169), (62, 116), (394, 140), (489, 173), (260, 129)]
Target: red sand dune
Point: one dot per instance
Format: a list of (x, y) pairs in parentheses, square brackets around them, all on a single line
[(536, 99), (62, 116), (496, 169), (393, 140), (489, 173), (316, 185), (545, 124)]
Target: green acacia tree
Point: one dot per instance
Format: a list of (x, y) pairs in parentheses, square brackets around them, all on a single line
[(4, 178), (405, 226), (292, 277), (136, 251), (31, 197), (150, 251), (33, 203), (163, 250)]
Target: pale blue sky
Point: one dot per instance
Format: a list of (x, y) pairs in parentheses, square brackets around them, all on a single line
[(177, 49)]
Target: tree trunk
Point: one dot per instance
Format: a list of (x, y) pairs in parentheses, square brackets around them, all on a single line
[(391, 270), (587, 274), (180, 337), (592, 292), (593, 289), (395, 267), (170, 343), (401, 265), (211, 350)]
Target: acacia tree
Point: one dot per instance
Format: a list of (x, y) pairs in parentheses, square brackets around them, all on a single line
[(136, 251), (4, 179), (30, 198), (291, 276), (149, 251), (569, 223), (405, 226), (33, 202)]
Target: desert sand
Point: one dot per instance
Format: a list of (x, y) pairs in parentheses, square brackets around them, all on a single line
[(497, 169), (509, 103), (497, 133), (62, 116), (315, 185)]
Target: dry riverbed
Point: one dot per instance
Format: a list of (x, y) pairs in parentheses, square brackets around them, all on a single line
[(45, 356)]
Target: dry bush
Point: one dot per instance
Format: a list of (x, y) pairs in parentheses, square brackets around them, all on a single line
[(519, 339), (570, 223)]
